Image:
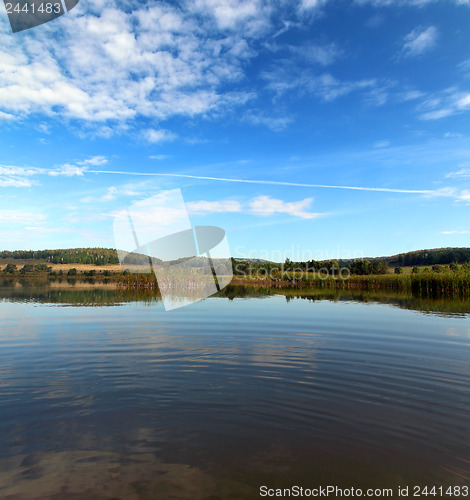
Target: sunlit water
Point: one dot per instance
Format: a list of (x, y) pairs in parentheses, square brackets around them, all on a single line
[(120, 399)]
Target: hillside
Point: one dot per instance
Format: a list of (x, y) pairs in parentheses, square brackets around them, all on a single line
[(426, 257)]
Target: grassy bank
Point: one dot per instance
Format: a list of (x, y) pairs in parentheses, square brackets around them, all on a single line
[(446, 282), (422, 282)]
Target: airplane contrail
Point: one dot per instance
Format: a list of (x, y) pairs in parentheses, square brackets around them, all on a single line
[(275, 183)]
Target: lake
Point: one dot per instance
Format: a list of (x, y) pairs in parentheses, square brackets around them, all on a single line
[(103, 394)]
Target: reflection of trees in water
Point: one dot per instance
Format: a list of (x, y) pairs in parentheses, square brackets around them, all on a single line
[(401, 299), (90, 293), (68, 291)]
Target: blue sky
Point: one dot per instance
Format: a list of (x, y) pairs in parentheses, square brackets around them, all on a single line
[(299, 95)]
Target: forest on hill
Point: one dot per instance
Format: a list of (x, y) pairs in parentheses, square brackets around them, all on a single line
[(376, 265), (96, 256)]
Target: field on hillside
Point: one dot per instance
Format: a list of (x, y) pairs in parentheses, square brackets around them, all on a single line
[(57, 267)]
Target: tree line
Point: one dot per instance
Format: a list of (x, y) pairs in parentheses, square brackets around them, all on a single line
[(332, 267), (432, 257), (96, 256)]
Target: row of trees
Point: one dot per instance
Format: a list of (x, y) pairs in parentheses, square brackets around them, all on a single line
[(360, 267), (432, 257), (97, 256), (357, 267), (12, 269), (26, 269)]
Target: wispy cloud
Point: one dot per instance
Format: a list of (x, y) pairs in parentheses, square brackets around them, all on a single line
[(10, 182), (409, 3), (21, 217), (160, 157), (94, 161), (113, 192), (209, 207), (261, 206), (276, 123), (19, 171), (419, 41), (455, 232), (108, 196), (326, 87), (266, 206), (15, 176), (459, 195), (6, 116), (449, 102), (453, 135), (312, 4), (463, 173), (67, 170), (322, 54), (154, 136)]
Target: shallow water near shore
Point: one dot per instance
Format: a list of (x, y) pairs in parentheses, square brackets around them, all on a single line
[(119, 399)]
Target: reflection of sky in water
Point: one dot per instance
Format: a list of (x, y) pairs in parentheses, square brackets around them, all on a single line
[(207, 383)]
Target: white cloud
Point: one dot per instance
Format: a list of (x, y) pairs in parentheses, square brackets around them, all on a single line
[(152, 135), (330, 88), (205, 207), (250, 15), (463, 173), (309, 4), (446, 103), (410, 3), (68, 170), (110, 195), (455, 232), (382, 144), (412, 95), (113, 192), (276, 123), (459, 195), (324, 54), (19, 171), (437, 114), (21, 217), (261, 206), (464, 101), (160, 157), (464, 67), (94, 161), (14, 176), (419, 41), (6, 116), (464, 196), (325, 86), (12, 182), (111, 65), (265, 206)]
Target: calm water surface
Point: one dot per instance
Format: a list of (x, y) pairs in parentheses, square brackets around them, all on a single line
[(103, 396)]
